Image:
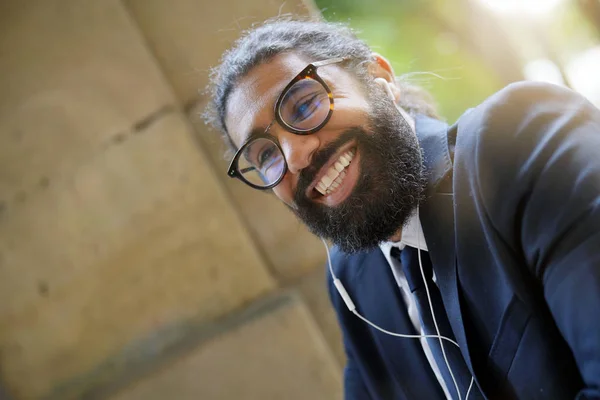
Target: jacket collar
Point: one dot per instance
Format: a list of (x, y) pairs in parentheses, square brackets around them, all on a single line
[(433, 139), (437, 218)]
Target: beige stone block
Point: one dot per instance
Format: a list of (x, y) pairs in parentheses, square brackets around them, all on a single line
[(189, 36), (313, 288), (72, 74), (276, 355), (138, 238), (290, 248)]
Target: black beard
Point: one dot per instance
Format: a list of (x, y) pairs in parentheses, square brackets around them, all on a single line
[(390, 185)]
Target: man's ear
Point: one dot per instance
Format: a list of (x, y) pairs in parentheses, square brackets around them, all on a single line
[(381, 68)]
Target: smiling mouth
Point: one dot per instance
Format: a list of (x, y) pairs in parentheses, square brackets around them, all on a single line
[(334, 177)]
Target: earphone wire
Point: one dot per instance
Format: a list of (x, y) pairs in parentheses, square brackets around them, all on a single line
[(437, 329), (470, 387), (348, 301), (373, 324)]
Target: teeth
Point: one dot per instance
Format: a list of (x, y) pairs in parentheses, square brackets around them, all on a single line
[(321, 188), (334, 176), (333, 173)]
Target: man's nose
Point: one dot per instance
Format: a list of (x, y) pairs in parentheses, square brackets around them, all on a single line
[(298, 149)]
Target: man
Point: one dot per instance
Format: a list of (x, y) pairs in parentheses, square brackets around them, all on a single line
[(480, 240)]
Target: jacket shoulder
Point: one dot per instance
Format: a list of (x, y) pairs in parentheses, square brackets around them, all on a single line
[(527, 92), (522, 104)]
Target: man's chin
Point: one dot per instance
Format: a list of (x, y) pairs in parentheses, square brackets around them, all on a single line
[(350, 226)]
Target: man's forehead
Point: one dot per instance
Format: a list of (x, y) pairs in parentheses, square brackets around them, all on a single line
[(253, 97)]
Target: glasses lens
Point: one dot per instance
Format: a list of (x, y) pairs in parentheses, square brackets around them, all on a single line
[(305, 105), (261, 162)]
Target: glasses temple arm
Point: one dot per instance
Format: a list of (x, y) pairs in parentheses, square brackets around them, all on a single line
[(247, 169), (330, 61)]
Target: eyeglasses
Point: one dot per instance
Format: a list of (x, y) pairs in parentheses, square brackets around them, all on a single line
[(303, 107)]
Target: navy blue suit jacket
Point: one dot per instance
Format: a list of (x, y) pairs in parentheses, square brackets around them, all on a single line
[(512, 223)]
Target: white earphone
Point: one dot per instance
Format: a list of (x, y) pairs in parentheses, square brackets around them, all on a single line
[(352, 307)]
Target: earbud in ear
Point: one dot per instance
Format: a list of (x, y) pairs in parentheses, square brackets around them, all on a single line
[(386, 86)]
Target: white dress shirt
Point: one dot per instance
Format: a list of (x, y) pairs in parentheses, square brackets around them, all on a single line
[(412, 235)]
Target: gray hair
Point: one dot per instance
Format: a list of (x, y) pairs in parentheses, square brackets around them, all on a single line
[(316, 40)]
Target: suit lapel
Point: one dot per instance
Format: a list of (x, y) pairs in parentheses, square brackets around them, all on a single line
[(437, 219)]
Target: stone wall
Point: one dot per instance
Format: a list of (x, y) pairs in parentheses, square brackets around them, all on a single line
[(131, 267)]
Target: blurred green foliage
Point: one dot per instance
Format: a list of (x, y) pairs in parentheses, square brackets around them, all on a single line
[(410, 35)]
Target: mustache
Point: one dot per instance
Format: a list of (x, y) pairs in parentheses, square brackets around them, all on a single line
[(319, 159)]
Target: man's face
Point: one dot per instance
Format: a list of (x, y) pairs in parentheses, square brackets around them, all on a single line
[(367, 149)]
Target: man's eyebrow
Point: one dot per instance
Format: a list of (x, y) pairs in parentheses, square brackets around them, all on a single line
[(254, 133)]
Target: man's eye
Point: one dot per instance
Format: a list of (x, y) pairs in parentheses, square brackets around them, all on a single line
[(305, 108), (265, 156)]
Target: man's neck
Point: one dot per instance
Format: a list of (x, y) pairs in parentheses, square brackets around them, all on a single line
[(396, 237), (410, 120)]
